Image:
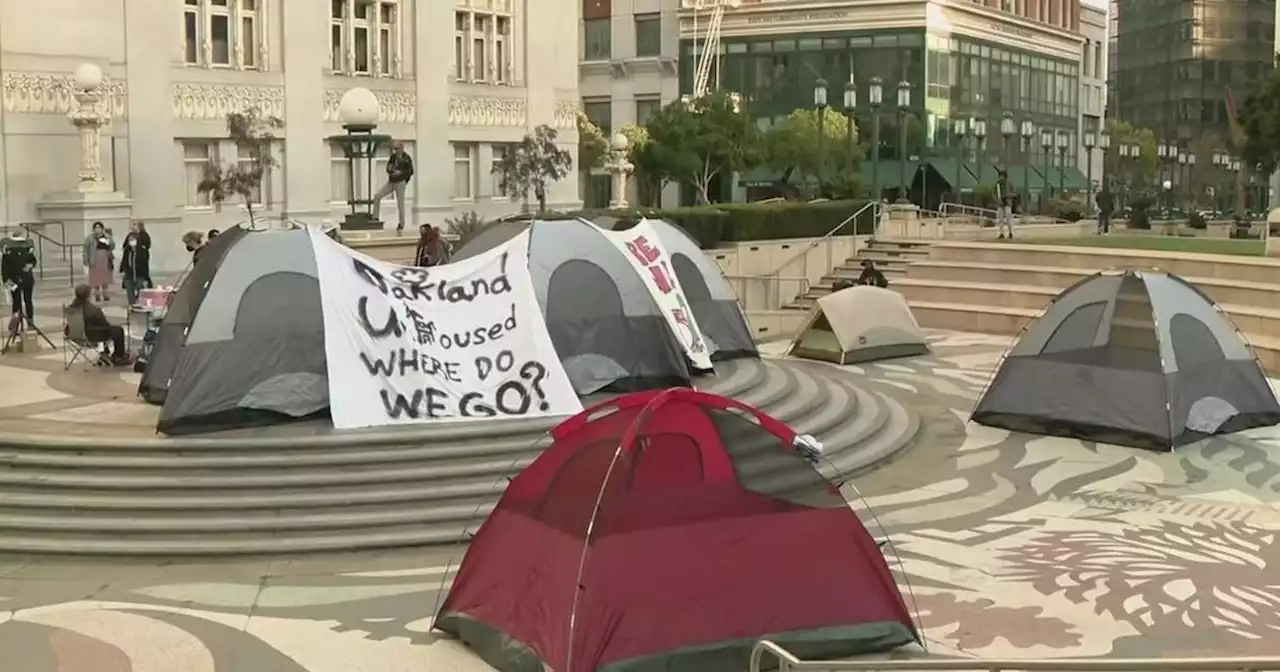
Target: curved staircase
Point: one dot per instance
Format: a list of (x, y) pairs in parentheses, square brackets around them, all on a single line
[(341, 492)]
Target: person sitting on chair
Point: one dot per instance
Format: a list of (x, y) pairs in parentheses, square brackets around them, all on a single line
[(871, 275), (96, 327)]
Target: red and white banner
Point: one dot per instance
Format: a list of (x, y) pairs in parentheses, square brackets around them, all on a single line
[(644, 250)]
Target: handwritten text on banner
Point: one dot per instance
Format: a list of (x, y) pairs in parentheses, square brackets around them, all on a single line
[(462, 341)]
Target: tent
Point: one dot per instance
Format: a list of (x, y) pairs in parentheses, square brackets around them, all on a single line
[(606, 328), (859, 324), (254, 352), (1137, 358), (669, 531), (713, 302), (180, 312)]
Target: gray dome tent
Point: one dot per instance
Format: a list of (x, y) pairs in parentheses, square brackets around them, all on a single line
[(254, 351), (714, 304), (1137, 358), (605, 326)]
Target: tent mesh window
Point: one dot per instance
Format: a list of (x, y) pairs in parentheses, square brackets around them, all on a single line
[(768, 466), (1193, 343), (820, 337), (1127, 340)]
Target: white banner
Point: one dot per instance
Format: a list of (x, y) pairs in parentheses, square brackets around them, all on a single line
[(462, 341), (644, 250)]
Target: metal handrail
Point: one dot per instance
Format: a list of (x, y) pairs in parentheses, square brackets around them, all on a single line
[(788, 662), (773, 288), (826, 237), (40, 238), (971, 210)]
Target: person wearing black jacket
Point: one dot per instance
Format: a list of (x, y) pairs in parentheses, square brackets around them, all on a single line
[(871, 275), (399, 170), (96, 326), (135, 262), (17, 266)]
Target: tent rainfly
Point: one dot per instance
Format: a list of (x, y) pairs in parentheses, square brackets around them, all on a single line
[(859, 324)]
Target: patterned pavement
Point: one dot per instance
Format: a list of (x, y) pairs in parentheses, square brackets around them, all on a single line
[(1008, 546)]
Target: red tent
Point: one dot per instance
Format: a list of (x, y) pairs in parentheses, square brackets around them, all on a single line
[(670, 530)]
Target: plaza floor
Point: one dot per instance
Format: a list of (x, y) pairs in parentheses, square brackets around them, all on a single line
[(1006, 545)]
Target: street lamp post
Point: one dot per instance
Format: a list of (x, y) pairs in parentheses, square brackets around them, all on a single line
[(1046, 145), (875, 98), (1189, 173), (1104, 143), (1089, 141), (1125, 151), (960, 129), (1008, 129), (820, 103), (359, 110), (904, 108), (1064, 143), (850, 109), (980, 144), (1222, 163), (1166, 153), (1028, 130)]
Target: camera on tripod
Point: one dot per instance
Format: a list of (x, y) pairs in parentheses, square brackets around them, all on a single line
[(17, 272)]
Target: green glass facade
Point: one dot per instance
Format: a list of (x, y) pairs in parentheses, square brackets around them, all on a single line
[(951, 77)]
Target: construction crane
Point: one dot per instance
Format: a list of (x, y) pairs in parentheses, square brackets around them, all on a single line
[(709, 56)]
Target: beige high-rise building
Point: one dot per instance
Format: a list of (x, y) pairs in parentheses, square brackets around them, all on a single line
[(457, 82)]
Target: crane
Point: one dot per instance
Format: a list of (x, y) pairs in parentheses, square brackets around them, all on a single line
[(709, 57)]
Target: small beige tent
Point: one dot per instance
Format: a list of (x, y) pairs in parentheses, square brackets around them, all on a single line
[(859, 324)]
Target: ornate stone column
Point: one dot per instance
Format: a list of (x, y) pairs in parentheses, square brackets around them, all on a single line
[(89, 116), (620, 168)]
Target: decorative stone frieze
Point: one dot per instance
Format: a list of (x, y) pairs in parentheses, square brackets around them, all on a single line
[(566, 115), (491, 111), (398, 107), (213, 102), (54, 93)]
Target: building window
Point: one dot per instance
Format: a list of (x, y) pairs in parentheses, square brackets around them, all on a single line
[(482, 42), (364, 37), (244, 161), (648, 34), (597, 40), (463, 175), (599, 111), (197, 156), (645, 107), (499, 154), (221, 33)]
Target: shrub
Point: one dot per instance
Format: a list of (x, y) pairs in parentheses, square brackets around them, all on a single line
[(465, 227), (712, 225), (1197, 221), (1069, 210)]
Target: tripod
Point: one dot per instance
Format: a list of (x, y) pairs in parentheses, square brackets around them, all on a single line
[(19, 324)]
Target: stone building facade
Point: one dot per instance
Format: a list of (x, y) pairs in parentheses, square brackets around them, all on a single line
[(175, 68), (1093, 87)]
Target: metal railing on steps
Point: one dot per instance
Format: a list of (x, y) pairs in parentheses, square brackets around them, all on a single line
[(788, 662)]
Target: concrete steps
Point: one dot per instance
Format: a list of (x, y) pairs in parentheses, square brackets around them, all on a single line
[(276, 495)]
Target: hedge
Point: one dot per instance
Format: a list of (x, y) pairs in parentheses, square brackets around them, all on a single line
[(713, 225)]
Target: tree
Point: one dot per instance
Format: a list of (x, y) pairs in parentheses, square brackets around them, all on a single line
[(693, 142), (1139, 173), (593, 147), (253, 132), (648, 175), (533, 164), (795, 148), (1259, 120)]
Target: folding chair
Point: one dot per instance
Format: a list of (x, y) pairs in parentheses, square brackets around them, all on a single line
[(77, 345)]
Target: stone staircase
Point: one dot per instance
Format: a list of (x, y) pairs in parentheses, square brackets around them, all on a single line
[(351, 491), (891, 257)]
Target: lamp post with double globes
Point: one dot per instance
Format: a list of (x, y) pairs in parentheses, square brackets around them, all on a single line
[(1064, 144), (960, 131), (1046, 146), (875, 98), (359, 111), (979, 125), (904, 109), (820, 104), (850, 110), (1008, 129), (1028, 132)]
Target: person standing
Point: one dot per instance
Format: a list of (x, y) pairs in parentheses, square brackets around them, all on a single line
[(135, 262), (1004, 199), (17, 273), (99, 256), (194, 242), (399, 170), (1106, 208)]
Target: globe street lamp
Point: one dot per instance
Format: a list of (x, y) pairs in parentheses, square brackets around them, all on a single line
[(1104, 143), (1046, 146), (1222, 162), (359, 111), (850, 109), (875, 98), (1064, 143), (1089, 141), (820, 104), (1189, 173), (960, 129), (904, 108), (1166, 153), (980, 144), (1008, 129), (1028, 132)]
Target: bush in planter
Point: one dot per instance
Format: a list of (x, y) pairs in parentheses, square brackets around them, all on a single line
[(1069, 210), (1197, 221), (1140, 212), (712, 225)]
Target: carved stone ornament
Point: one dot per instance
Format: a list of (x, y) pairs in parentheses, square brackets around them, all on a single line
[(488, 111), (566, 117), (397, 107), (50, 93), (213, 102)]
